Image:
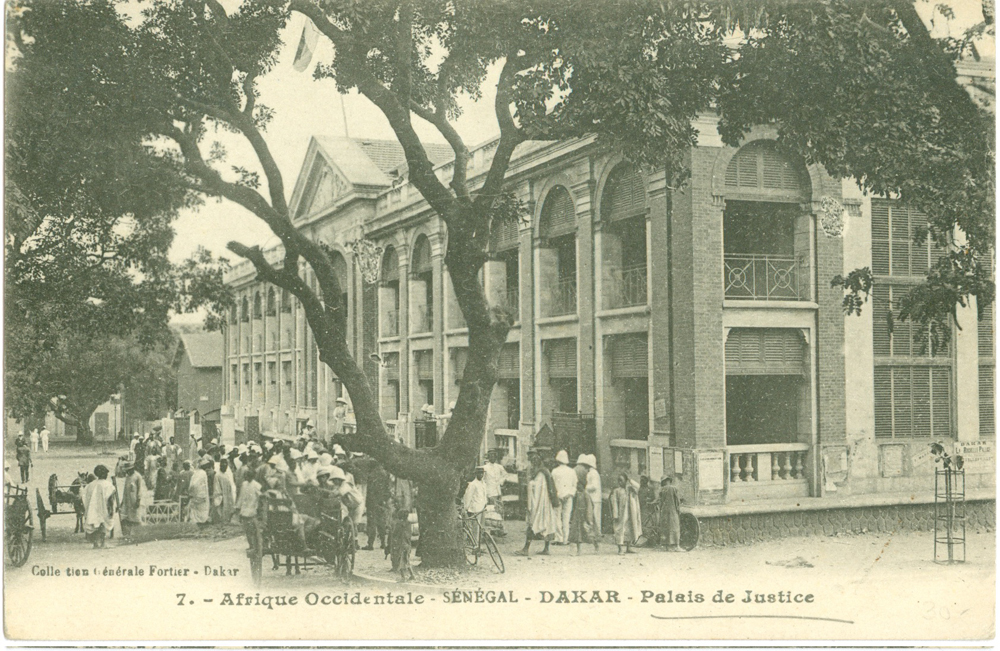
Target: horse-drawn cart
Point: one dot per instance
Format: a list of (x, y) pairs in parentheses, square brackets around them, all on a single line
[(308, 532), (18, 524)]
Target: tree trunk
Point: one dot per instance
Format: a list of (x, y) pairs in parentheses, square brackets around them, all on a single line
[(440, 529), (83, 434)]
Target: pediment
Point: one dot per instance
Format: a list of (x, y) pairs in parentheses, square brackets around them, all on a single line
[(325, 186)]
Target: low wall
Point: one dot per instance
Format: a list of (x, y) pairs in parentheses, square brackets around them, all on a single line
[(756, 527)]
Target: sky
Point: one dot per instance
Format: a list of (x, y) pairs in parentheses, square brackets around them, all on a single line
[(305, 107)]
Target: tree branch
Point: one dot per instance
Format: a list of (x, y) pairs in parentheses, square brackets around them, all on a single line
[(459, 178), (510, 137)]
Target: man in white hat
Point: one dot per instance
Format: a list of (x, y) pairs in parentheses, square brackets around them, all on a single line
[(475, 499), (565, 480), (198, 493), (339, 416), (308, 467), (350, 497)]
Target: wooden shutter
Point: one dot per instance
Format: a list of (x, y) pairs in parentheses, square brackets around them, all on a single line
[(881, 298), (510, 363), (503, 236), (880, 236), (425, 364), (629, 356), (624, 195), (920, 394), (985, 327), (765, 351), (883, 402), (987, 407), (901, 401), (941, 401), (561, 354), (558, 214), (761, 165)]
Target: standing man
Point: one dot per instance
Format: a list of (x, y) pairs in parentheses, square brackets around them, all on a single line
[(565, 480), (172, 452), (494, 479), (475, 499), (626, 514), (44, 436), (130, 500), (594, 490), (377, 505), (198, 498), (670, 514), (33, 435), (24, 460), (539, 517), (98, 507)]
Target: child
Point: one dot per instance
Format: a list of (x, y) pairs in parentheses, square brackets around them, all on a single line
[(399, 544)]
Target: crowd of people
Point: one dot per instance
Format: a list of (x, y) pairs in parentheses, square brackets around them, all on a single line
[(564, 507)]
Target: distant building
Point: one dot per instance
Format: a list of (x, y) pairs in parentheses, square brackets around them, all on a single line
[(198, 367)]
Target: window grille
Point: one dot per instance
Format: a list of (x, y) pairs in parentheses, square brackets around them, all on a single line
[(913, 401), (624, 194), (761, 166), (510, 363), (765, 351), (558, 214), (561, 355), (629, 356)]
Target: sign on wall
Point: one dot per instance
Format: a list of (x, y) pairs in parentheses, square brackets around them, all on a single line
[(711, 470)]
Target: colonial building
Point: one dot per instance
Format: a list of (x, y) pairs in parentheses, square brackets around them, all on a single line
[(197, 366), (688, 330)]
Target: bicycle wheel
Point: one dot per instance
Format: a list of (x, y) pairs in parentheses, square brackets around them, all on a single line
[(491, 547), (690, 532), (470, 547)]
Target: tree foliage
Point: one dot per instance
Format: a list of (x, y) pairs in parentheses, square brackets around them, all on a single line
[(860, 89)]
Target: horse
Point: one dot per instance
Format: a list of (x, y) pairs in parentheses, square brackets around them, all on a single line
[(72, 497)]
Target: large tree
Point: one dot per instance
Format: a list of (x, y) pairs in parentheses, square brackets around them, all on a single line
[(635, 73)]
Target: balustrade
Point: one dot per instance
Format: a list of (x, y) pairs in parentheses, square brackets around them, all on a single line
[(629, 286), (564, 297), (762, 277), (767, 463)]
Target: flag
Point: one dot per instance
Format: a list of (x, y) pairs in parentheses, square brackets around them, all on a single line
[(307, 46)]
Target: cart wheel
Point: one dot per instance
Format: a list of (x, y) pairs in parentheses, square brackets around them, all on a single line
[(471, 548), (19, 546), (690, 532), (491, 547)]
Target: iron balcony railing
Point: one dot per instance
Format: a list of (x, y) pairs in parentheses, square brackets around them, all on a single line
[(629, 286), (762, 277), (564, 297), (513, 302)]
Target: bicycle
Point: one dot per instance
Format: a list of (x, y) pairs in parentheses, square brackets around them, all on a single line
[(477, 537)]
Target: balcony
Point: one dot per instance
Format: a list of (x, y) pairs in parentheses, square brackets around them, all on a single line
[(564, 297), (763, 278), (513, 302), (628, 287)]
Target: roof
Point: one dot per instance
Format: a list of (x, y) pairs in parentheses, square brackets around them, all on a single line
[(204, 349), (366, 161)]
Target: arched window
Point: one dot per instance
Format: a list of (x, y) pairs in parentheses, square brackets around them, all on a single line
[(233, 314), (389, 307), (256, 305), (558, 214), (422, 271), (624, 194), (245, 310), (558, 231), (340, 271), (761, 169), (623, 211), (271, 307), (286, 301)]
